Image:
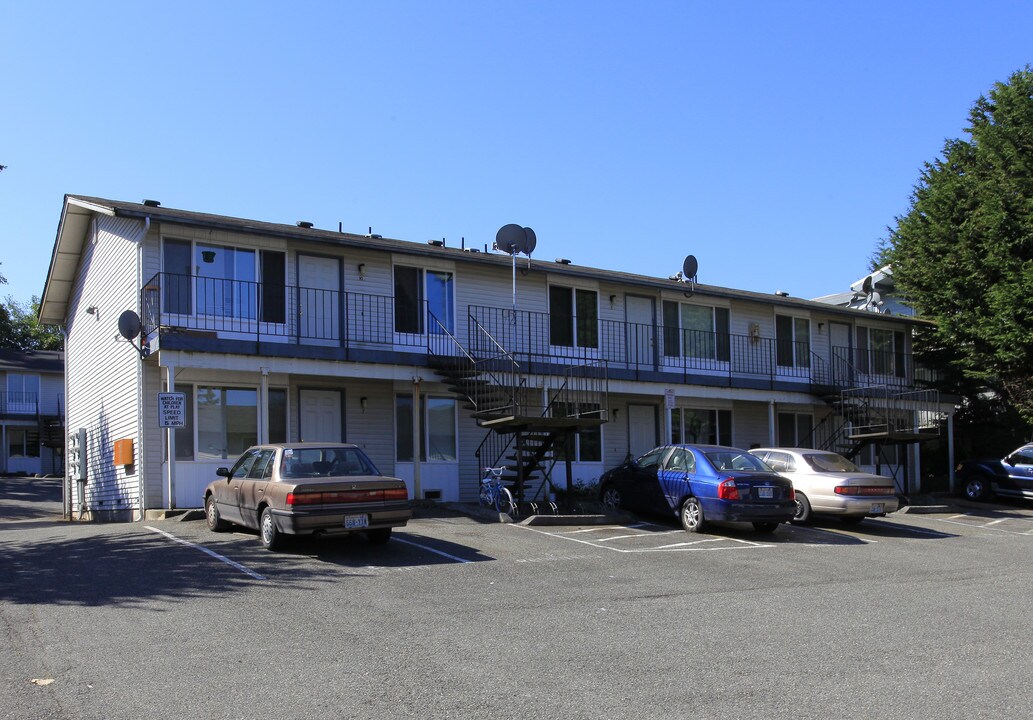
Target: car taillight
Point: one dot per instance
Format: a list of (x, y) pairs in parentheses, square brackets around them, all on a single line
[(792, 493), (311, 498), (727, 490), (862, 490), (396, 494)]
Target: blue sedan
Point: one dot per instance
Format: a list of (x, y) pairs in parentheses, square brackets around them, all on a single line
[(699, 484)]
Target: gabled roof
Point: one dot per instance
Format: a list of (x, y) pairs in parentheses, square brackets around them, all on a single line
[(79, 209)]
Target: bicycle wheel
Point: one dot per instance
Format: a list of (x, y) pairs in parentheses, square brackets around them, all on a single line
[(504, 501), (485, 496)]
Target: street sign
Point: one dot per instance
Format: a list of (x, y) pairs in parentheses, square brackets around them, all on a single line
[(669, 402), (171, 410)]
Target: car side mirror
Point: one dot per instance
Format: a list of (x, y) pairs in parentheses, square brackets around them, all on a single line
[(223, 472), (1010, 460)]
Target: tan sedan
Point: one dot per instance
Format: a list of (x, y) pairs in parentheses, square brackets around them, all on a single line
[(826, 483), (305, 489)]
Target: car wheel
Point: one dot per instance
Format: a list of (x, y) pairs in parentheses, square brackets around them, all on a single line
[(765, 527), (380, 536), (803, 508), (977, 488), (272, 538), (212, 516), (852, 519), (692, 516), (611, 498)]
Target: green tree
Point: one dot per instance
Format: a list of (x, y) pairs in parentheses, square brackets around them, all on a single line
[(20, 330), (963, 253)]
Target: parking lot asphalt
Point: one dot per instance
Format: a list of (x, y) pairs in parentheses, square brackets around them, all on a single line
[(910, 616)]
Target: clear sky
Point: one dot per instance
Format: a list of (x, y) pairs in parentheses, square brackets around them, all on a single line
[(775, 141)]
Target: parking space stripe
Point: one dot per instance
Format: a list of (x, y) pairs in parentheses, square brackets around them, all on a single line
[(745, 544), (429, 549), (217, 556), (638, 535)]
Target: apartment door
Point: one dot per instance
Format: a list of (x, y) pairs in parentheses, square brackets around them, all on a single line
[(643, 429), (320, 415), (319, 300), (840, 353), (640, 313)]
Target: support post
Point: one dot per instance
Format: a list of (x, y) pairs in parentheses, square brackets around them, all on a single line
[(416, 491), (170, 442)]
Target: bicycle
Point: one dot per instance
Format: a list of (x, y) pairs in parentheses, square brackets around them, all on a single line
[(494, 493)]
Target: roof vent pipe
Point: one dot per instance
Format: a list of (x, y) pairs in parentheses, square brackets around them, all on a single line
[(151, 203), (304, 224)]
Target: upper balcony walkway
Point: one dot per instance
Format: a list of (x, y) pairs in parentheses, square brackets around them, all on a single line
[(217, 315)]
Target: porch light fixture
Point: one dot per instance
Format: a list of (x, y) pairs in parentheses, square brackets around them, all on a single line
[(91, 310), (362, 271), (208, 256), (362, 403), (613, 299)]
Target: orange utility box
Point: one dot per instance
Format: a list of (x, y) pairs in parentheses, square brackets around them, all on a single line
[(124, 452)]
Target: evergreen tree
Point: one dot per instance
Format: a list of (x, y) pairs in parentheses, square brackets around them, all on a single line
[(963, 253)]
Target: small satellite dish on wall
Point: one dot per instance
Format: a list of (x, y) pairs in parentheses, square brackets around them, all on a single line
[(129, 325)]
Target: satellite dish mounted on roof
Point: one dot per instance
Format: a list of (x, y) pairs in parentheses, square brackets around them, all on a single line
[(689, 268), (513, 239)]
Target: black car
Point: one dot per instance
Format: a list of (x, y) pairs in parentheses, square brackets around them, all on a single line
[(1011, 476), (701, 483)]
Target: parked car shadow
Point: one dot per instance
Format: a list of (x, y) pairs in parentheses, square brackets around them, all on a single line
[(878, 527), (354, 550), (786, 533)]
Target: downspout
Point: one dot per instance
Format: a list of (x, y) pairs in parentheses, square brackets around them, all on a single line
[(416, 437), (772, 442), (141, 426), (263, 416), (66, 489)]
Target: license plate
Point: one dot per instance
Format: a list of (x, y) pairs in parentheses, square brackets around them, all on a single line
[(765, 493), (356, 521), (878, 507)]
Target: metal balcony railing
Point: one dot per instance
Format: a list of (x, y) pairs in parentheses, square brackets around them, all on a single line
[(19, 403), (275, 312)]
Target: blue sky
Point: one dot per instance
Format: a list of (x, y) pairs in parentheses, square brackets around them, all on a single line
[(774, 141)]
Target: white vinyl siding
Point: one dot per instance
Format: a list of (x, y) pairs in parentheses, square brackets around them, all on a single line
[(103, 370)]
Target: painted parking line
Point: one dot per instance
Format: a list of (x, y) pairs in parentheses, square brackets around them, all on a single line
[(421, 546), (217, 556), (689, 546), (975, 521)]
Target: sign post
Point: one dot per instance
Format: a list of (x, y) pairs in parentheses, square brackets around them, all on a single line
[(171, 415)]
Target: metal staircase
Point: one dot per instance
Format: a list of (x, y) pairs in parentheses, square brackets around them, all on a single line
[(527, 413)]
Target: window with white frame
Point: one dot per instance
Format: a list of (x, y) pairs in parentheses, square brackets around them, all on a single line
[(693, 425), (438, 438), (419, 290), (794, 429), (227, 421), (880, 351), (792, 341), (587, 444), (696, 331), (223, 281), (22, 393), (573, 317), (22, 443)]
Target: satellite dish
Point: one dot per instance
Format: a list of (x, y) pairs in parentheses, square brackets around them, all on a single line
[(875, 298), (129, 325), (511, 239), (689, 268), (531, 241), (866, 285)]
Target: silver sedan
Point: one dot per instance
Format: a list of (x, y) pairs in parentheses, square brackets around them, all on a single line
[(826, 483)]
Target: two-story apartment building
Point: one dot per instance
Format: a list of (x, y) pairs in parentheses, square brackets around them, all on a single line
[(31, 412), (439, 360)]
